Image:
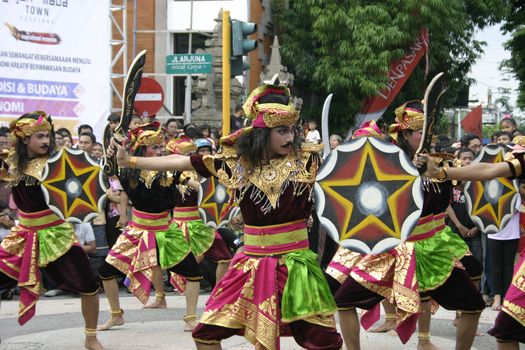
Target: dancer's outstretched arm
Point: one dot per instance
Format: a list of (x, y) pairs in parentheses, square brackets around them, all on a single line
[(167, 163), (473, 172)]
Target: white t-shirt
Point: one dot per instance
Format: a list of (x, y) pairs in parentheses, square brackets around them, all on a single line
[(313, 136), (512, 229), (84, 233)]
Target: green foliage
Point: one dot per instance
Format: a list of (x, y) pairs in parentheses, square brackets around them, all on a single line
[(515, 24), (345, 47), (489, 130)]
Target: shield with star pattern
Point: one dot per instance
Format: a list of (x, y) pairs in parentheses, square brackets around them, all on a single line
[(368, 195), (491, 203), (73, 185), (214, 204)]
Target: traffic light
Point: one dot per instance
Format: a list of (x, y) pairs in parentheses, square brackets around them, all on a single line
[(241, 45)]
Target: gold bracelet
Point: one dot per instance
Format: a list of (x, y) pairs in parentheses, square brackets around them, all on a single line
[(442, 176), (424, 336), (133, 162), (90, 332)]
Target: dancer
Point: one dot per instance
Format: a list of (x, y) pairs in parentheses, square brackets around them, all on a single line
[(149, 244), (432, 247), (42, 239), (509, 329), (204, 240), (276, 281)]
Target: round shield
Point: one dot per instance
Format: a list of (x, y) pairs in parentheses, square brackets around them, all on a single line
[(73, 185), (491, 203), (368, 195), (214, 204)]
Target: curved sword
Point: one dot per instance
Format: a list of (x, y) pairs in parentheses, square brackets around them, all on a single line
[(324, 125)]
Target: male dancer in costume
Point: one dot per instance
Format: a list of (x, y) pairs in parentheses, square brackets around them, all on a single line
[(149, 244), (42, 239), (204, 240), (276, 283), (432, 247), (509, 329)]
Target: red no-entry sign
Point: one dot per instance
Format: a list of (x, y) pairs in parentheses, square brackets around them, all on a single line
[(149, 98)]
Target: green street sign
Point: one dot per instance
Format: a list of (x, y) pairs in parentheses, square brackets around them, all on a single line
[(190, 63)]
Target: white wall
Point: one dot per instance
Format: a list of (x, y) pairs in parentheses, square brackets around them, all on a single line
[(204, 13)]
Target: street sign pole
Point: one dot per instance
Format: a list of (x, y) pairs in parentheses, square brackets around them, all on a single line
[(187, 97), (226, 52)]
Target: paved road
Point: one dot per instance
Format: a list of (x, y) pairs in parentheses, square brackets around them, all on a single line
[(58, 326)]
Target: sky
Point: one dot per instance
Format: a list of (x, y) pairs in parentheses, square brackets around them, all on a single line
[(486, 73)]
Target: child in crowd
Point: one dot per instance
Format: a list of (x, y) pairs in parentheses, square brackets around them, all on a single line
[(509, 125), (313, 134)]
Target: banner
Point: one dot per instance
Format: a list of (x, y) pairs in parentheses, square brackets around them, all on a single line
[(55, 56), (472, 122), (398, 74)]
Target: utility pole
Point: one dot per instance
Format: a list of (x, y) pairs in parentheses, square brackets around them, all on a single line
[(226, 70), (189, 82)]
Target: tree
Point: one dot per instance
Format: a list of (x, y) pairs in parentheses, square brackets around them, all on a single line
[(345, 47), (515, 24)]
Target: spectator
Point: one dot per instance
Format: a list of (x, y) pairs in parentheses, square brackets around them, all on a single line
[(68, 142), (172, 128), (494, 138), (204, 147), (86, 141), (135, 122), (236, 120), (502, 248), (63, 132), (504, 138), (335, 140), (205, 129), (97, 151), (84, 128), (509, 125), (192, 131), (214, 135), (59, 140), (113, 120), (5, 143), (471, 141), (313, 134), (459, 218)]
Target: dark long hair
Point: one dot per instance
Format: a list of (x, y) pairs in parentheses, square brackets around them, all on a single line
[(21, 156), (403, 144), (254, 146)]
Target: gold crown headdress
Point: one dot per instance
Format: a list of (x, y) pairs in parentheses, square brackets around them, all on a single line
[(270, 115), (146, 135), (181, 145), (25, 126), (407, 118)]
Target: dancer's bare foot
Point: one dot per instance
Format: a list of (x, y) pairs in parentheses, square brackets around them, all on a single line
[(426, 345), (190, 322), (387, 326), (496, 305), (92, 343), (112, 322), (159, 303)]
